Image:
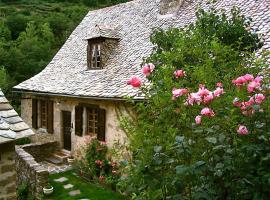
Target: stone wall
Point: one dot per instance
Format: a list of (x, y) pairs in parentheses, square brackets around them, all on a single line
[(28, 169), (41, 151), (7, 172)]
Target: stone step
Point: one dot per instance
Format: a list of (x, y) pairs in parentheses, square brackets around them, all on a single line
[(54, 160), (62, 155)]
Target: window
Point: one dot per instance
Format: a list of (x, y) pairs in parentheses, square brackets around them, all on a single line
[(92, 121), (42, 114), (95, 121), (94, 60)]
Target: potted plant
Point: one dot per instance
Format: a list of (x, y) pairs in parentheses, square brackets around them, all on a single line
[(71, 160), (47, 190)]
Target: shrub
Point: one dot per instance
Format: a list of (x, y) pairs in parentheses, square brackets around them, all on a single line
[(199, 135)]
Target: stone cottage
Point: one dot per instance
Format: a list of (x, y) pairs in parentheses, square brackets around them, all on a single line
[(82, 90), (12, 128)]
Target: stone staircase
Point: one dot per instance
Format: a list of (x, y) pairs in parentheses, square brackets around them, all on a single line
[(58, 158)]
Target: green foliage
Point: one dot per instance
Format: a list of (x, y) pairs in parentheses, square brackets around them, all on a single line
[(174, 158), (23, 192), (23, 141), (5, 80)]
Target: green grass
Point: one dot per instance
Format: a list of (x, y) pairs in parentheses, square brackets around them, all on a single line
[(88, 190)]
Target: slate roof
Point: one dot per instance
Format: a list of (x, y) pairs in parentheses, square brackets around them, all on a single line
[(12, 126), (67, 73), (101, 31)]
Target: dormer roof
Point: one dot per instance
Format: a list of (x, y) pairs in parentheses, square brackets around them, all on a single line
[(103, 31)]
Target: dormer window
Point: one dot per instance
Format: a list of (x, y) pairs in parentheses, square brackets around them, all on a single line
[(101, 43), (95, 50)]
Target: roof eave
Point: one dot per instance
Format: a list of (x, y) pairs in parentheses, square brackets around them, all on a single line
[(22, 91)]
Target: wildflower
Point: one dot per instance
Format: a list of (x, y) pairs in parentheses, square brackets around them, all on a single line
[(114, 172), (198, 119), (135, 81), (207, 112), (242, 130), (179, 73)]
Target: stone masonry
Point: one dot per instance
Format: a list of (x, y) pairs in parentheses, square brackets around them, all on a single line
[(28, 169), (8, 175)]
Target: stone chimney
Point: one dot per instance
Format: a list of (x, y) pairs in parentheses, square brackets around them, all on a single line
[(170, 6)]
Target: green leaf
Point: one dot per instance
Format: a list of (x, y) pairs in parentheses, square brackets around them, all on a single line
[(200, 163), (210, 130), (157, 149), (181, 169), (179, 139), (211, 140)]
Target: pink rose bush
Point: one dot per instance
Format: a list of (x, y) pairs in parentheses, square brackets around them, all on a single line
[(205, 97)]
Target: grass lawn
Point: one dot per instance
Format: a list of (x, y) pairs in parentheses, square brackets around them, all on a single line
[(88, 190)]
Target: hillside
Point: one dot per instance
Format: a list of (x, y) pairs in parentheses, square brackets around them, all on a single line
[(32, 31)]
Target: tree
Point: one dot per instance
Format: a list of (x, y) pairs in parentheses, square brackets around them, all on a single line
[(192, 138)]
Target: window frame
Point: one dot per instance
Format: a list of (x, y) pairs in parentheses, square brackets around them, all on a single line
[(94, 54)]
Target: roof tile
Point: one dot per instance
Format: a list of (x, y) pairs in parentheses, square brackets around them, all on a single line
[(67, 73)]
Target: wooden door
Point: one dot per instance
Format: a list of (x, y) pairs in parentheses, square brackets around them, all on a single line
[(67, 129)]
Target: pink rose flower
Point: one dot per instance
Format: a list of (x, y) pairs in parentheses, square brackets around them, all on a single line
[(179, 92), (253, 85), (242, 130), (203, 91), (147, 69), (207, 99), (248, 77), (259, 98), (219, 91), (135, 81), (194, 98), (198, 119), (179, 73), (207, 112), (258, 79), (239, 81), (219, 84), (236, 102)]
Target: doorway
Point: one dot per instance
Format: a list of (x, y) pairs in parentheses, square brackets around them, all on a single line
[(66, 116)]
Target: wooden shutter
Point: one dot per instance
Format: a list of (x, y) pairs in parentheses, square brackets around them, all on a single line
[(50, 116), (89, 56), (79, 120), (34, 113), (101, 125)]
